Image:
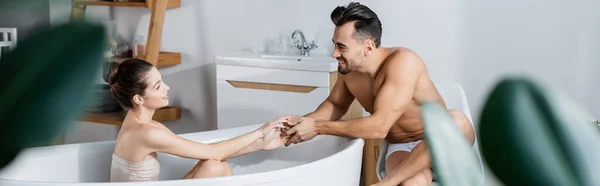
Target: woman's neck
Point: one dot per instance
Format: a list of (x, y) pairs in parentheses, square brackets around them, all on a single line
[(143, 115)]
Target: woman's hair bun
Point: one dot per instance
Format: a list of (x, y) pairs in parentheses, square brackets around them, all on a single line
[(110, 71)]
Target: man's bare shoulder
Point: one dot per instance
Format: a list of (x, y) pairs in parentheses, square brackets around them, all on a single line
[(402, 59)]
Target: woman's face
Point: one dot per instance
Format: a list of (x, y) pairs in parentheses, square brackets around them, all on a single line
[(156, 93)]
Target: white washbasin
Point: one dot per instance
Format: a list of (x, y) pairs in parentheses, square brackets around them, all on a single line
[(291, 62), (286, 57)]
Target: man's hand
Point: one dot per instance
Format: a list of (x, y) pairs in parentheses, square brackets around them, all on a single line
[(303, 129)]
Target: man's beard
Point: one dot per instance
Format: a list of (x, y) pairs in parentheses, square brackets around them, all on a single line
[(343, 71)]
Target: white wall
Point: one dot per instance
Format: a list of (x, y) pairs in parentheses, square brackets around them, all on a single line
[(554, 42), (472, 42)]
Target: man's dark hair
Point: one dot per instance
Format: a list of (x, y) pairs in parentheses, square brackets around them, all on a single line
[(367, 23)]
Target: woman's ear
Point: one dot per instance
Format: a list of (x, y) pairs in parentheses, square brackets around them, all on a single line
[(138, 100)]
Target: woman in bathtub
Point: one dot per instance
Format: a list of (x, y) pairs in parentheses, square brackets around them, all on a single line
[(139, 88)]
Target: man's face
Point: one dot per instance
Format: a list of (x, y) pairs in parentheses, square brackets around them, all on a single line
[(349, 51)]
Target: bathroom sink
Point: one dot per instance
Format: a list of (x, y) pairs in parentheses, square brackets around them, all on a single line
[(290, 62), (297, 58)]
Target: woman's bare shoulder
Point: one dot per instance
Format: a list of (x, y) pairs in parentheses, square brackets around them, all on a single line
[(131, 142), (133, 130), (159, 124)]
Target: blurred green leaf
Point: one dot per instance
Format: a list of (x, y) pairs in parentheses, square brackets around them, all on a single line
[(532, 136), (45, 83), (454, 160)]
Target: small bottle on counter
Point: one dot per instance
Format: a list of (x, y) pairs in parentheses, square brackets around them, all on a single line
[(139, 44)]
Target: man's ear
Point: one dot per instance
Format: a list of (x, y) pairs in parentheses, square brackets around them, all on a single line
[(138, 100), (370, 47)]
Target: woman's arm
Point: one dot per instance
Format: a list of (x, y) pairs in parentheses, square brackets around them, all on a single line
[(255, 146), (160, 140), (274, 139)]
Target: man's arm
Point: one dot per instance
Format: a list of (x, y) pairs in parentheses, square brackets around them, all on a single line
[(336, 104), (391, 101)]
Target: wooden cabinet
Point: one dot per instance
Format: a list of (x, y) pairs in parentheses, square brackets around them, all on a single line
[(371, 152), (252, 95)]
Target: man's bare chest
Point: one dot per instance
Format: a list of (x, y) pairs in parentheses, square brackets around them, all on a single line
[(365, 90)]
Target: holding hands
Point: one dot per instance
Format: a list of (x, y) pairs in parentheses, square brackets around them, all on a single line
[(272, 135), (286, 130), (275, 124), (303, 129)]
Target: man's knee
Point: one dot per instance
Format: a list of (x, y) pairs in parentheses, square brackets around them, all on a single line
[(416, 181), (464, 124), (394, 159)]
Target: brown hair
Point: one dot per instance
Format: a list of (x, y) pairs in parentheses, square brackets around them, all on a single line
[(126, 79)]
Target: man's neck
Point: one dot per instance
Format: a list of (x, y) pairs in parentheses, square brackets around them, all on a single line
[(143, 115), (374, 62)]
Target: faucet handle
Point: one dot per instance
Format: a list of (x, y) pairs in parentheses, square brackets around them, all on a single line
[(313, 45), (296, 44)]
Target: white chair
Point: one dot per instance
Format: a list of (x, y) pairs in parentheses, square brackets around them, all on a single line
[(454, 97), (8, 39)]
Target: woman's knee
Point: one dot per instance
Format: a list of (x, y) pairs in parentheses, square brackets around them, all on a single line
[(211, 167), (228, 171)]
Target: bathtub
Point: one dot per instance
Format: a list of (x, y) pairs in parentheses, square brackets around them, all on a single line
[(324, 160)]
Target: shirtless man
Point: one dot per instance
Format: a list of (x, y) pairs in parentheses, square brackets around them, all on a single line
[(389, 83)]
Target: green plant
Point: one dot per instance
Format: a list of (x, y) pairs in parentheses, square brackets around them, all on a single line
[(454, 160), (45, 83), (529, 135)]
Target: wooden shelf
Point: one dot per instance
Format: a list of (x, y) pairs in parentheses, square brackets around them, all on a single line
[(116, 118), (164, 59), (146, 4), (152, 49)]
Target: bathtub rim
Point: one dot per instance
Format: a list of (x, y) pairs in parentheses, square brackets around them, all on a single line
[(301, 170)]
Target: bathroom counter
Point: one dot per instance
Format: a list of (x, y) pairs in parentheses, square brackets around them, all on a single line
[(319, 63)]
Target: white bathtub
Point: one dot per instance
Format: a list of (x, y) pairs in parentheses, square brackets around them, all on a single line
[(325, 160)]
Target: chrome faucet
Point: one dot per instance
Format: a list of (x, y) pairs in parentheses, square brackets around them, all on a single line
[(301, 43)]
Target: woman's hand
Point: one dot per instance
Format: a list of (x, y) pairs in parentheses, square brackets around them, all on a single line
[(273, 140), (272, 125)]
